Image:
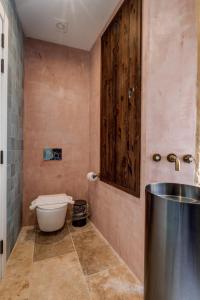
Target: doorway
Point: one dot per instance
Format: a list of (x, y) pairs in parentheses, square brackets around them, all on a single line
[(3, 135)]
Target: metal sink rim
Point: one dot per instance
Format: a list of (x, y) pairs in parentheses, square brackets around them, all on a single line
[(185, 190)]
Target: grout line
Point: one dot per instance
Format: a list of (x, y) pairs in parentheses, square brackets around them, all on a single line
[(32, 264), (102, 271), (93, 227), (84, 276), (28, 275), (82, 230), (106, 243), (121, 261), (18, 241), (35, 232), (114, 251)]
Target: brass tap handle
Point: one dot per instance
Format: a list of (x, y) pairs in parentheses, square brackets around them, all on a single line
[(157, 157), (188, 158), (173, 158)]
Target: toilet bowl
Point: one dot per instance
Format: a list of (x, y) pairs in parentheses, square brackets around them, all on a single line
[(51, 211)]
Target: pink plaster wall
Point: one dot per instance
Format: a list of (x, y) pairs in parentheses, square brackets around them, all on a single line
[(56, 114), (172, 78), (62, 98), (118, 215), (168, 122)]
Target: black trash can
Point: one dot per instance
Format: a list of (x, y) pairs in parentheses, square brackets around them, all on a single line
[(80, 213)]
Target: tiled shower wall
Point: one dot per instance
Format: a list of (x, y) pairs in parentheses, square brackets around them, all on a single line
[(15, 114)]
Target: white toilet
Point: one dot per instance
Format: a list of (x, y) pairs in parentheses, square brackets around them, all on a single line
[(51, 211)]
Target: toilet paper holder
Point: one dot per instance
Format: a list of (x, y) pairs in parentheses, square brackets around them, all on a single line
[(93, 176)]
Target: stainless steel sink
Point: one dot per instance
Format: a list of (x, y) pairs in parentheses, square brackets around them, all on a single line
[(172, 243)]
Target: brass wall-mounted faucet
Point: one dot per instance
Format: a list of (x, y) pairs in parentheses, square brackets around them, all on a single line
[(188, 158), (173, 158)]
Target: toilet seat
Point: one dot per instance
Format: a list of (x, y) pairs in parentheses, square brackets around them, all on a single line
[(51, 206), (51, 211), (52, 201)]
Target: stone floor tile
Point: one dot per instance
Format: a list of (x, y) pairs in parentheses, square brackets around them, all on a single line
[(115, 284), (94, 254), (55, 271), (49, 245), (73, 229), (15, 284), (59, 278)]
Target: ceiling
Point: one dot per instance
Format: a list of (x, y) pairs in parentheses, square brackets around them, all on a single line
[(74, 23)]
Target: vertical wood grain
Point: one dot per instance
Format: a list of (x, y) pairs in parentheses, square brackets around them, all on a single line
[(121, 114)]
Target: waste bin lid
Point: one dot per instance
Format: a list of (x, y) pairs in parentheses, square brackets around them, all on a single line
[(80, 202)]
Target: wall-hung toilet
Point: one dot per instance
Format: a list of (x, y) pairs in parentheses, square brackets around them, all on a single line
[(51, 211)]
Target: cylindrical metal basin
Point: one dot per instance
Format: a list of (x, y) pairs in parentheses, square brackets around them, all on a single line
[(172, 250)]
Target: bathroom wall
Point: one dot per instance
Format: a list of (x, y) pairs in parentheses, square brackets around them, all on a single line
[(15, 114), (62, 109), (118, 215), (172, 77), (198, 98), (168, 122), (56, 114)]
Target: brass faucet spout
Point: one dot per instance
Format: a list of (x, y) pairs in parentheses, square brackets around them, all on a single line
[(173, 158), (177, 164)]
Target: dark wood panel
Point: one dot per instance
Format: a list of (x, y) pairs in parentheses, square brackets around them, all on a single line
[(122, 87), (120, 110), (107, 111)]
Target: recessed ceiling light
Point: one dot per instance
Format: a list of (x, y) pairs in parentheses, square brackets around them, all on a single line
[(61, 25)]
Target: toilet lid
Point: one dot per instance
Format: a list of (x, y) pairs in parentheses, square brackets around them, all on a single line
[(52, 206)]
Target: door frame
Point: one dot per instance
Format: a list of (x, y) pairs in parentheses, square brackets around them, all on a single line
[(3, 133)]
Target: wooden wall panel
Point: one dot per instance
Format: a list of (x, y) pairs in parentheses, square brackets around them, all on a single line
[(121, 99)]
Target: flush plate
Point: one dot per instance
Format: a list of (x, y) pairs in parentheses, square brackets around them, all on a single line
[(52, 154)]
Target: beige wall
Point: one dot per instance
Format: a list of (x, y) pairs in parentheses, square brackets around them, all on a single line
[(56, 114), (168, 122)]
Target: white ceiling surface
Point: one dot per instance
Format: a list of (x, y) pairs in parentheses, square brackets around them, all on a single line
[(84, 20)]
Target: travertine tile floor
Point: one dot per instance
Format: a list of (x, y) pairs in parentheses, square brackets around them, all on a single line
[(72, 264)]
